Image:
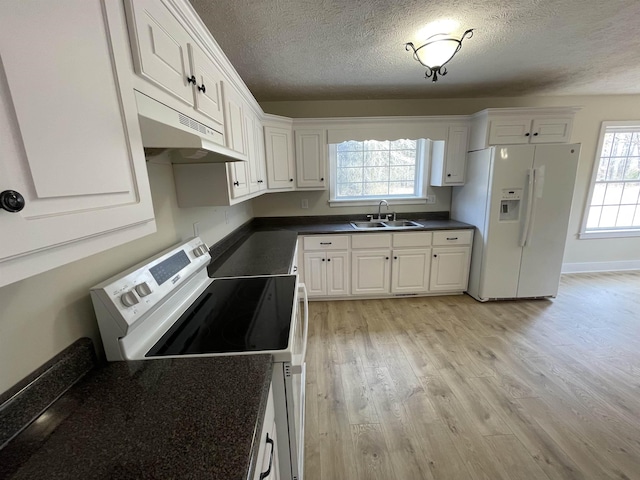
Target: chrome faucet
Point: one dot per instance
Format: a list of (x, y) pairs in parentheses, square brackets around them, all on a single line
[(380, 208)]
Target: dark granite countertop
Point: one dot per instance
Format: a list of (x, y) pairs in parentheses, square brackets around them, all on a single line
[(266, 245), (189, 418)]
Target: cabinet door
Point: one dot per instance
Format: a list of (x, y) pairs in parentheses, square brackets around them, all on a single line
[(261, 161), (239, 177), (456, 156), (254, 171), (370, 272), (410, 271), (279, 155), (234, 126), (208, 87), (159, 45), (315, 273), (509, 131), (551, 130), (311, 158), (449, 269), (338, 269), (69, 136)]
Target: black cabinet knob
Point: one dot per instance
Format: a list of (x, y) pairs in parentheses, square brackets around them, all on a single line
[(395, 258), (291, 179), (535, 134), (387, 258), (323, 259), (322, 179), (202, 88), (328, 259), (237, 184), (448, 174), (434, 256), (191, 79), (11, 201), (527, 134)]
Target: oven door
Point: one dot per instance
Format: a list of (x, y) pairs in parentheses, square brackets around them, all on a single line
[(294, 380)]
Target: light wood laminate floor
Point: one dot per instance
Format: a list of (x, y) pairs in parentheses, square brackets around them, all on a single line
[(450, 388)]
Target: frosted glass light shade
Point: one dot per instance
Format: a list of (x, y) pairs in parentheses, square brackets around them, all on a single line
[(439, 52)]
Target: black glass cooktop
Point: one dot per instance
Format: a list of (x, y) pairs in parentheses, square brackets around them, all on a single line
[(233, 315)]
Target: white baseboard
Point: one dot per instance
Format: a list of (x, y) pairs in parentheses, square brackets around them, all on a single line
[(601, 266)]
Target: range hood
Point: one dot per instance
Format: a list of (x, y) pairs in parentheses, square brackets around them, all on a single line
[(163, 127)]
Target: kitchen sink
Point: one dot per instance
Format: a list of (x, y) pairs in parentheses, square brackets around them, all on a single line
[(385, 224)]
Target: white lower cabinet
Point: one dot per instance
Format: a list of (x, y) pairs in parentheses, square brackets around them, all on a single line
[(370, 272), (383, 264), (267, 466), (326, 273)]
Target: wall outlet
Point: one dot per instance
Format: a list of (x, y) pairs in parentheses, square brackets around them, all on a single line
[(431, 199), (304, 203)]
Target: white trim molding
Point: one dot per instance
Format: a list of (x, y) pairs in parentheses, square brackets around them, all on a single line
[(617, 266)]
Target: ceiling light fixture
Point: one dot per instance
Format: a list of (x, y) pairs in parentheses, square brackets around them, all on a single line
[(436, 52)]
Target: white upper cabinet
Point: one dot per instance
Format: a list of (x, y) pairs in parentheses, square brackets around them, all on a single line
[(234, 119), (69, 136), (311, 159), (279, 156), (165, 54), (208, 86), (509, 126), (449, 158), (255, 146)]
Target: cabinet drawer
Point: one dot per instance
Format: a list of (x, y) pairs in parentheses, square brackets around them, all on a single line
[(326, 242), (382, 240), (453, 237), (413, 239)]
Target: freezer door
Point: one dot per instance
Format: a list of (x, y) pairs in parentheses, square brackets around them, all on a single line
[(502, 255), (555, 169)]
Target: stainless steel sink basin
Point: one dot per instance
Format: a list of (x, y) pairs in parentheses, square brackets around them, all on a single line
[(385, 224), (368, 225), (402, 224)]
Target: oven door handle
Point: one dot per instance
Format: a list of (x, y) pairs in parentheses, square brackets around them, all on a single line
[(297, 369)]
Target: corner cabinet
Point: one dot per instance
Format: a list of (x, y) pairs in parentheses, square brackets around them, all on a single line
[(70, 145), (278, 141), (510, 126), (311, 159)]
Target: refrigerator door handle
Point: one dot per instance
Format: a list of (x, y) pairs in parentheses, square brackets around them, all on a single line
[(531, 180)]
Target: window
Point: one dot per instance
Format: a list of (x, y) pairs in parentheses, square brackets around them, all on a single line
[(367, 171), (613, 209)]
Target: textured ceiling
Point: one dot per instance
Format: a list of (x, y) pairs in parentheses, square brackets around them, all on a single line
[(331, 49)]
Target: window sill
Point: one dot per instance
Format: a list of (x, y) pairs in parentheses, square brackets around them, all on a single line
[(609, 234), (365, 203)]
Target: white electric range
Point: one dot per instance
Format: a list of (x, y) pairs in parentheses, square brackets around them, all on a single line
[(168, 307)]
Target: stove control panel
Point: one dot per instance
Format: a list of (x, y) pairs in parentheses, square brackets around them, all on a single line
[(131, 294)]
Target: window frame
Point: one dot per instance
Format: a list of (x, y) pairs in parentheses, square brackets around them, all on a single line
[(423, 155), (613, 233)]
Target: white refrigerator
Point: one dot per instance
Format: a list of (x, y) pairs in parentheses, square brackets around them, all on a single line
[(519, 199)]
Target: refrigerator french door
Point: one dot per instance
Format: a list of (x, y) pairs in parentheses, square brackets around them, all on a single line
[(519, 198)]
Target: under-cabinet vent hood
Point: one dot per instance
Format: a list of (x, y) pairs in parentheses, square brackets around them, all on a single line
[(163, 127)]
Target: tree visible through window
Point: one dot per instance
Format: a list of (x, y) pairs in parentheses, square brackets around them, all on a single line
[(378, 169), (615, 198)]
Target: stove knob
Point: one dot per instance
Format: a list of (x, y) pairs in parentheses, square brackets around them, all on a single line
[(143, 289), (200, 250), (129, 299)]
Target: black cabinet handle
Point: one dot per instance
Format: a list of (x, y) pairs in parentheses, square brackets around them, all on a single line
[(11, 201), (260, 181), (527, 134), (237, 184), (191, 79), (202, 88), (264, 475), (325, 243), (452, 238)]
